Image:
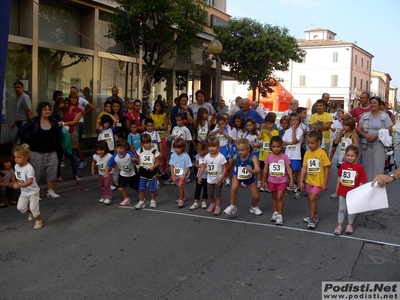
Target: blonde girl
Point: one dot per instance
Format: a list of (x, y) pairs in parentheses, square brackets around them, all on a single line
[(25, 180)]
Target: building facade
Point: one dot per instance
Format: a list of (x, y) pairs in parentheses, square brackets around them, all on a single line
[(53, 45), (339, 68), (380, 84)]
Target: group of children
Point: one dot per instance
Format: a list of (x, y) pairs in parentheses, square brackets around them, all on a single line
[(261, 159)]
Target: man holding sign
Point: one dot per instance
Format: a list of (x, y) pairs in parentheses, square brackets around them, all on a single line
[(383, 179)]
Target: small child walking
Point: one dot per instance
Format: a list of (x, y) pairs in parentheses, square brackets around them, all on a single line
[(245, 170), (316, 166), (351, 175), (180, 164), (101, 159), (202, 150), (149, 160), (277, 169), (215, 163), (25, 180)]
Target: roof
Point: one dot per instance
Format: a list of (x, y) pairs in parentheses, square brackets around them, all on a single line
[(320, 29), (317, 43)]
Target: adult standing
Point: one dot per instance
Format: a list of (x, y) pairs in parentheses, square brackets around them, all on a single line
[(24, 108), (256, 106), (115, 97), (87, 108), (327, 107), (72, 115), (120, 123), (327, 121), (294, 105), (107, 111), (232, 111), (222, 108), (43, 135), (384, 179), (247, 112), (132, 113), (372, 148), (183, 108), (200, 98)]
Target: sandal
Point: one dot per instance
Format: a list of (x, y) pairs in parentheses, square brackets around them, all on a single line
[(13, 202), (338, 230), (60, 179), (77, 179), (349, 229), (2, 205)]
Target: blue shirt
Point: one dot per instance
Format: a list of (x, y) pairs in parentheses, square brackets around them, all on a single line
[(250, 114)]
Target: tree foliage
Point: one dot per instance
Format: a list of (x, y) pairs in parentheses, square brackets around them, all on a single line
[(253, 51), (158, 27)]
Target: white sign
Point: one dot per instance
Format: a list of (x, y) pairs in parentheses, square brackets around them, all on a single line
[(366, 198)]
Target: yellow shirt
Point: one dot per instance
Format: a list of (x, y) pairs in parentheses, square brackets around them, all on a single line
[(265, 139), (315, 162), (158, 122), (324, 118)]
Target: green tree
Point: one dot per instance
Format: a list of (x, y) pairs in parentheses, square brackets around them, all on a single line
[(159, 28), (253, 51)]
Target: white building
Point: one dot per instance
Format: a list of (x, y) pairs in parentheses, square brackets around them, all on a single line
[(339, 68), (380, 84)]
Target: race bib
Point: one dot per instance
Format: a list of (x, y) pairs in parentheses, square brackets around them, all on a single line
[(220, 136), (203, 132), (291, 147), (127, 168), (343, 146), (101, 167), (243, 173), (265, 146), (277, 169), (119, 124), (348, 178), (178, 134), (338, 130), (20, 176), (212, 169), (147, 160), (313, 165), (178, 172), (106, 136)]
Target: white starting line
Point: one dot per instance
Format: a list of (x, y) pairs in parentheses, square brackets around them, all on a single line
[(267, 225)]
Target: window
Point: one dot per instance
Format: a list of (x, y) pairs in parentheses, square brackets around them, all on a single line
[(367, 64), (335, 56), (302, 80), (355, 59), (361, 83), (334, 80), (366, 85), (355, 82), (362, 62)]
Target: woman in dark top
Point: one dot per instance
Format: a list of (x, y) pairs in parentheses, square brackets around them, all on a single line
[(182, 108), (43, 135), (133, 113), (116, 112)]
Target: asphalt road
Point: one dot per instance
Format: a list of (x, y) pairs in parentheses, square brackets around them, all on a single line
[(88, 250)]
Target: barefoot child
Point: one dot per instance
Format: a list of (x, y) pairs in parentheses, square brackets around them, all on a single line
[(25, 180)]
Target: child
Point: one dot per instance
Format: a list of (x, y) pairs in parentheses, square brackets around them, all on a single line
[(7, 180), (201, 125), (252, 136), (180, 164), (133, 137), (106, 132), (101, 159), (223, 132), (351, 175), (238, 129), (149, 160), (155, 140), (292, 140), (347, 136), (337, 125), (180, 131), (25, 180), (285, 124), (202, 150), (318, 126), (245, 168), (277, 169), (215, 162), (302, 112), (127, 175), (316, 165), (267, 131)]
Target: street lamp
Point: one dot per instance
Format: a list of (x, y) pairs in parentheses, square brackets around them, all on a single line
[(215, 48)]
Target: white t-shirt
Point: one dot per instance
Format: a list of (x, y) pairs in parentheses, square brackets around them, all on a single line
[(214, 167), (82, 102), (147, 157), (223, 141), (22, 174), (337, 125), (155, 138), (108, 136), (182, 133), (195, 107), (125, 164), (253, 139), (236, 133), (201, 161), (202, 132), (102, 162), (293, 151)]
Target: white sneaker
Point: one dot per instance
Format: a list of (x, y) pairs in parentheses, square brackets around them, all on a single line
[(256, 211), (258, 184), (107, 201), (158, 185), (52, 194), (194, 206), (113, 187), (204, 205), (140, 205), (82, 164), (101, 200), (294, 188), (274, 216), (38, 225), (153, 204), (227, 182), (243, 185), (334, 196), (30, 217), (279, 220), (230, 210)]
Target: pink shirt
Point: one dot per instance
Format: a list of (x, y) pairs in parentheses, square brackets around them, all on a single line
[(276, 162), (358, 111)]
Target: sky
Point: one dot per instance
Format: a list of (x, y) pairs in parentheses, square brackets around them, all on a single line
[(375, 25)]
